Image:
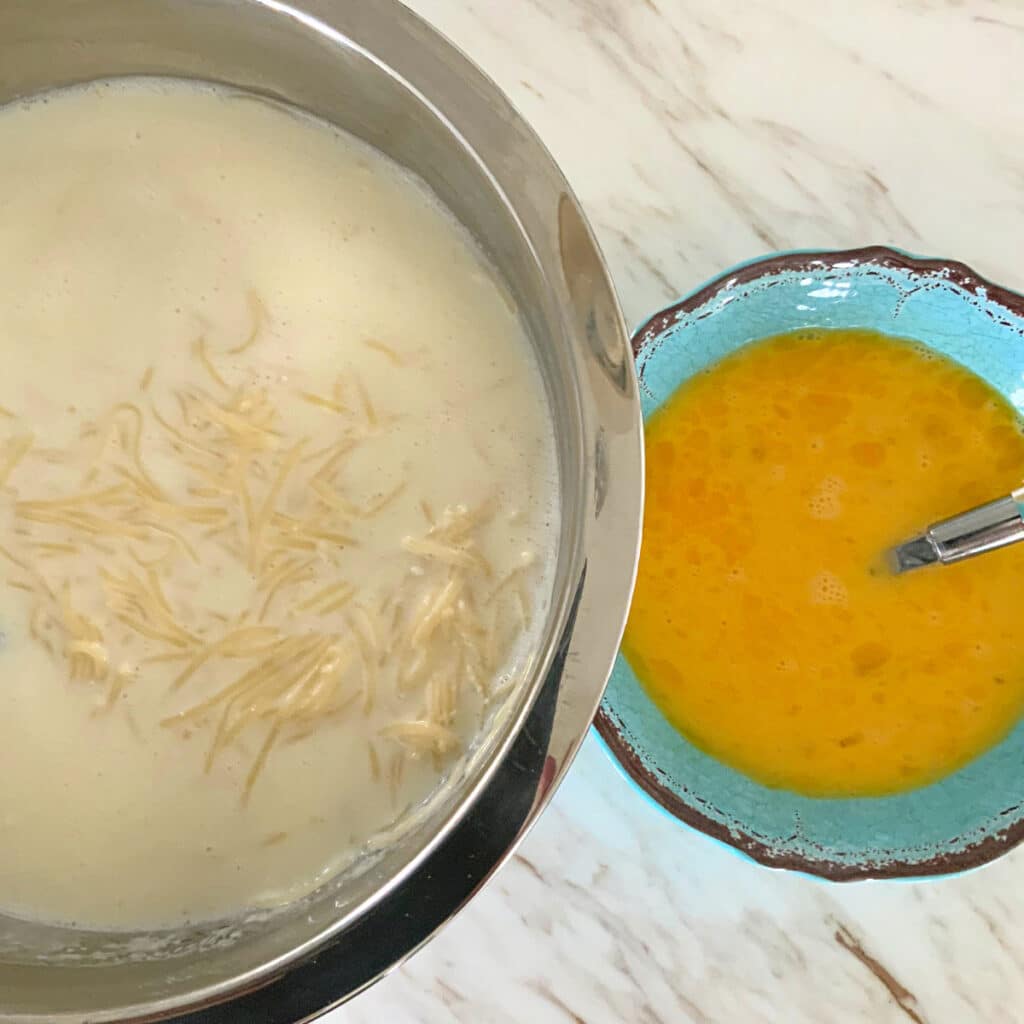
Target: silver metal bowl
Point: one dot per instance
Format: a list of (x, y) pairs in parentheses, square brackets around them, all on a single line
[(374, 69)]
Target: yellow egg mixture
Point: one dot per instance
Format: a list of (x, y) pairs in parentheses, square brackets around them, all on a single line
[(765, 625)]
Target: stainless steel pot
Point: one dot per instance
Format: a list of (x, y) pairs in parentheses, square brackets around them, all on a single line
[(376, 70)]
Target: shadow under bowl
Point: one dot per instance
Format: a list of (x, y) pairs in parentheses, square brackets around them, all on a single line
[(962, 821)]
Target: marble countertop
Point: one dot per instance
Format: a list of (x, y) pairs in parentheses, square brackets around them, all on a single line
[(699, 133)]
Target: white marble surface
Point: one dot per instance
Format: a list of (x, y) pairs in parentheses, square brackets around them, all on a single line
[(699, 133)]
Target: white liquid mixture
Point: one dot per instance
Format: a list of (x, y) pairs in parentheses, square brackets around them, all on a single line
[(279, 496)]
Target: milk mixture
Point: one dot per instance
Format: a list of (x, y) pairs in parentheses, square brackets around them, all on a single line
[(278, 501)]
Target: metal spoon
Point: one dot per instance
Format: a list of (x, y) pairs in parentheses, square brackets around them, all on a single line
[(970, 533)]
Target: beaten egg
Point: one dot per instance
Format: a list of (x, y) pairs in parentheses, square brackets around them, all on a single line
[(766, 626)]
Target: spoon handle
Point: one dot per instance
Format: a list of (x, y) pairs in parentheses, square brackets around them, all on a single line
[(970, 533)]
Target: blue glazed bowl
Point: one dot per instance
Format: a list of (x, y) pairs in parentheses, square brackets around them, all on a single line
[(967, 818)]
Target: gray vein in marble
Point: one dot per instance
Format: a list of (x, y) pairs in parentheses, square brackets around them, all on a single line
[(901, 996)]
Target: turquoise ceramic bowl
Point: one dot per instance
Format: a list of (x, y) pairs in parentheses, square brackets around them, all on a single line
[(967, 818)]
